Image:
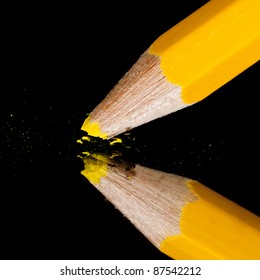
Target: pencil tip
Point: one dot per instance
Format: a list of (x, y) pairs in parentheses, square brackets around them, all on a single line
[(100, 154), (93, 128)]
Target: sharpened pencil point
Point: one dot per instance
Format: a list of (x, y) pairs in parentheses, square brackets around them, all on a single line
[(93, 128), (95, 167)]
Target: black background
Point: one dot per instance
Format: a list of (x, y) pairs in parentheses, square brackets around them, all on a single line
[(61, 62)]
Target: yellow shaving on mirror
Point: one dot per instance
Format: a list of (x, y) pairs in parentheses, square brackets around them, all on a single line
[(115, 140)]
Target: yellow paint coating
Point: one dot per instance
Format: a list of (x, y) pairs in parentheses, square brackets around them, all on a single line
[(95, 168), (213, 227), (93, 128), (210, 47)]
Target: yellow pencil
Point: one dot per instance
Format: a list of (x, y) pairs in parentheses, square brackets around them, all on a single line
[(181, 217), (183, 66)]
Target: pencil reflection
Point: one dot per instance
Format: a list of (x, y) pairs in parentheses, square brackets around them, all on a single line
[(181, 217)]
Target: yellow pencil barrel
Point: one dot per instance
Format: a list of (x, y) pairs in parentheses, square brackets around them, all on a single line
[(214, 227), (210, 47)]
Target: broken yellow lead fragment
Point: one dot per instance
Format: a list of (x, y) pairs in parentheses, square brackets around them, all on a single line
[(115, 140), (84, 138)]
